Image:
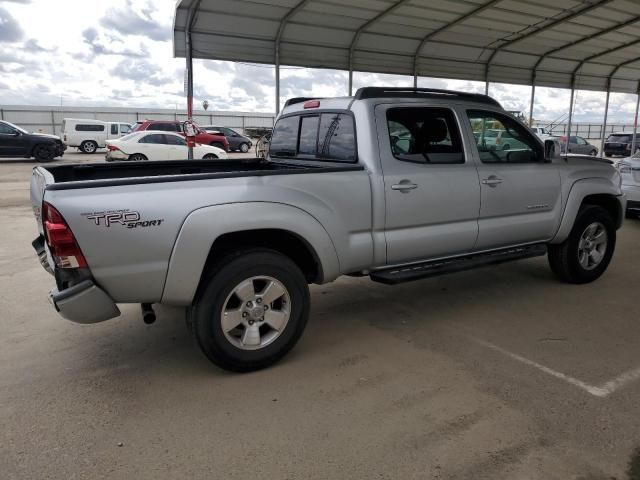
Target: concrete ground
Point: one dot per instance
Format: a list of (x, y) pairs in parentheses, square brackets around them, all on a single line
[(499, 373)]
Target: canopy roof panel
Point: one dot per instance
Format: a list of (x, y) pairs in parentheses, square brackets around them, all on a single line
[(550, 43)]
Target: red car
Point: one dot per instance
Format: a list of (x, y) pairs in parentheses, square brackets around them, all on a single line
[(202, 137)]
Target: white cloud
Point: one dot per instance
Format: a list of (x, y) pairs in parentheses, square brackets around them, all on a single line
[(119, 53)]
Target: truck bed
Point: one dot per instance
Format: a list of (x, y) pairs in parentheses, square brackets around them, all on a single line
[(127, 173)]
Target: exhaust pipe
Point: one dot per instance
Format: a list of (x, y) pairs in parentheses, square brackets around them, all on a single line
[(148, 315)]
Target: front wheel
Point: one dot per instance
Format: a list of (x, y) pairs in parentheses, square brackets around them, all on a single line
[(585, 254), (251, 310), (593, 153), (89, 146), (43, 153)]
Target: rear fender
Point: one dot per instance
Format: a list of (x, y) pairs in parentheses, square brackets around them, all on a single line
[(202, 227)]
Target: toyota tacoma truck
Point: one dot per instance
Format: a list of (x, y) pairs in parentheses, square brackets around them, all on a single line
[(395, 184)]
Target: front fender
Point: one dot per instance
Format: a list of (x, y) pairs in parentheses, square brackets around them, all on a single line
[(579, 191), (203, 226)]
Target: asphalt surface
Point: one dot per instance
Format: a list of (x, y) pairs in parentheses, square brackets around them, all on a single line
[(499, 373)]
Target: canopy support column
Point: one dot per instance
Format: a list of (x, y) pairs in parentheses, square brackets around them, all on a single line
[(606, 114), (277, 78), (350, 73), (189, 66), (533, 96), (573, 92), (634, 140)]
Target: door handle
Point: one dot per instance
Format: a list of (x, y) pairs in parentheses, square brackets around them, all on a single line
[(404, 186), (492, 181)]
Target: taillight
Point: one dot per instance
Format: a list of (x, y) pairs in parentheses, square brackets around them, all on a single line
[(62, 244), (65, 138), (112, 148)]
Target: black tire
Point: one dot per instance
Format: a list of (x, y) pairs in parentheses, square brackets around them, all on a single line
[(206, 312), (244, 147), (44, 153), (593, 152), (137, 157), (89, 146), (210, 156), (563, 258)]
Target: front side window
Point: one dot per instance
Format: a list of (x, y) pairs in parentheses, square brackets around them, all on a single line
[(125, 129), (114, 129), (424, 135), (6, 129), (175, 140), (501, 139), (163, 127)]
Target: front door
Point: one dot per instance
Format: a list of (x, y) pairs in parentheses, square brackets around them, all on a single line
[(431, 184), (12, 141), (520, 192)]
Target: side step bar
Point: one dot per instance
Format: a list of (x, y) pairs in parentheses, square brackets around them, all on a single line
[(395, 275)]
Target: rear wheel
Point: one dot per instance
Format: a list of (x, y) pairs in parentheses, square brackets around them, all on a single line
[(44, 153), (244, 148), (138, 157), (251, 311), (585, 254), (593, 152), (89, 146)]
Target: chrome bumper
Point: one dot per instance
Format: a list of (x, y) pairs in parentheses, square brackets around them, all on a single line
[(84, 303)]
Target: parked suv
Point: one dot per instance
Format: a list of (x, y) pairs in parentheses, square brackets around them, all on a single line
[(203, 137), (236, 141), (620, 144), (236, 242), (17, 142)]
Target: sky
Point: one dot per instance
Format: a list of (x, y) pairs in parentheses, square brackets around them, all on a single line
[(119, 53)]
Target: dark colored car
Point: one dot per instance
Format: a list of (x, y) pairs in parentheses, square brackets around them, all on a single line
[(203, 137), (236, 140), (578, 145), (17, 142), (620, 144)]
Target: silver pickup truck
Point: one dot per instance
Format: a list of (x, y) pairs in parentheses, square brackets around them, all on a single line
[(396, 184)]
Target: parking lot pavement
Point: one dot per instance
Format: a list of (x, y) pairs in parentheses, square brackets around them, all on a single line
[(496, 373)]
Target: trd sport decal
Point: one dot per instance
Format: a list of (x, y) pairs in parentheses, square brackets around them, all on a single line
[(127, 218)]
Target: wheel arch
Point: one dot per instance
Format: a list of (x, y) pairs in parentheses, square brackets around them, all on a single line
[(593, 191), (212, 232)]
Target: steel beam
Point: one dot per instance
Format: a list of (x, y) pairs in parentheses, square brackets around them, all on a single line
[(573, 91), (546, 27), (533, 95), (447, 26), (189, 65)]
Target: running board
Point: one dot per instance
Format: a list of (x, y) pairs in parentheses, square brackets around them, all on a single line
[(395, 275)]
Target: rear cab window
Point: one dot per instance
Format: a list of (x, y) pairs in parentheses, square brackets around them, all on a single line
[(324, 136)]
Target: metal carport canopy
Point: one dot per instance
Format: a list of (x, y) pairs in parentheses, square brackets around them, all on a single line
[(551, 43)]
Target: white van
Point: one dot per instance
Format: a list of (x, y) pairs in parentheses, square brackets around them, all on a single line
[(88, 135)]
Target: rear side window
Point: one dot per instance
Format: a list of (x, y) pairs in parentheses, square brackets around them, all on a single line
[(175, 140), (124, 128), (328, 136), (153, 138), (425, 135), (89, 128)]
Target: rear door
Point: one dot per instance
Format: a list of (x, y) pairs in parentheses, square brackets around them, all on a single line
[(520, 193), (153, 146), (431, 184)]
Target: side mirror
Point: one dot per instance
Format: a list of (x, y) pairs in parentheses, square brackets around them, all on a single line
[(551, 149)]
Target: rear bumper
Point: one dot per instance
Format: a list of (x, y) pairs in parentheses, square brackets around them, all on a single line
[(84, 303)]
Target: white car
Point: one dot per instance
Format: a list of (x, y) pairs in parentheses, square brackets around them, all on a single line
[(158, 145), (629, 169), (88, 134), (542, 133)]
